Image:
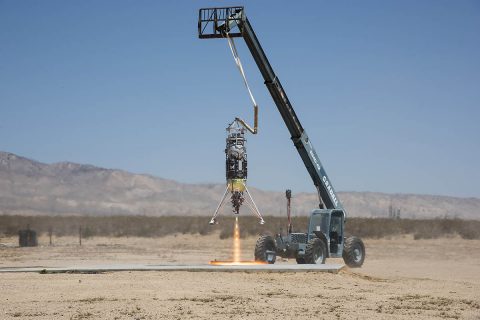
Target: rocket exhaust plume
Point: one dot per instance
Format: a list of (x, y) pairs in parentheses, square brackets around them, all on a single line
[(236, 242), (236, 172), (237, 253)]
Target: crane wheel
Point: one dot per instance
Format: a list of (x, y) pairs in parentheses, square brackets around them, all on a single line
[(315, 252), (265, 249), (354, 252)]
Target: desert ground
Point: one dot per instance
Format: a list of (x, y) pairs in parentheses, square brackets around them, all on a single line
[(402, 278)]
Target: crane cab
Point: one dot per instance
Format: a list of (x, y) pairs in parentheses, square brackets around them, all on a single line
[(328, 225)]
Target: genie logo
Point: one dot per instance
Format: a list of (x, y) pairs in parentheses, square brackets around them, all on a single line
[(330, 190)]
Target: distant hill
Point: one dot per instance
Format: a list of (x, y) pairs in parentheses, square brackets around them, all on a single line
[(65, 188)]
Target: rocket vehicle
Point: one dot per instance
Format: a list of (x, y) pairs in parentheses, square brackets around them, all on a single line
[(236, 172)]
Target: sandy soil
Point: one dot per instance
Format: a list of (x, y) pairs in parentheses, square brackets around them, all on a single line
[(402, 278)]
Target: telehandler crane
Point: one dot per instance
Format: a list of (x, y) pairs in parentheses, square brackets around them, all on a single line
[(325, 236)]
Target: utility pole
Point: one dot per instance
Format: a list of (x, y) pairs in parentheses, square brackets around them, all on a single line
[(288, 195), (50, 232)]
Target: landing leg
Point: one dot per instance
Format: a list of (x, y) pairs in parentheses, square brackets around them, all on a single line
[(254, 206), (214, 218)]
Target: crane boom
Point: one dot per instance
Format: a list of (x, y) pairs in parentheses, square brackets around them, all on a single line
[(234, 22)]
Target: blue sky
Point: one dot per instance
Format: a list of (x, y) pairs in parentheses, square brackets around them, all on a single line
[(388, 91)]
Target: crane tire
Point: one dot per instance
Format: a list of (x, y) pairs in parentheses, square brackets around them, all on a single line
[(265, 243), (315, 252), (353, 252)]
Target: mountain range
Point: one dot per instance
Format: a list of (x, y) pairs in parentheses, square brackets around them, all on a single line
[(30, 187)]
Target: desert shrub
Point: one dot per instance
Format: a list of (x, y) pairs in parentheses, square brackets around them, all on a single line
[(146, 226), (420, 236), (224, 234), (88, 232), (470, 232)]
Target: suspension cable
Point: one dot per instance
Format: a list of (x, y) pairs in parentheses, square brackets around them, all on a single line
[(238, 62)]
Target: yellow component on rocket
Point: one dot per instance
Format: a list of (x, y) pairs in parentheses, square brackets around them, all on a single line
[(236, 185)]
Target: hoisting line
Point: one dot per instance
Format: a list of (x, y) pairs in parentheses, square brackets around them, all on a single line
[(236, 57)]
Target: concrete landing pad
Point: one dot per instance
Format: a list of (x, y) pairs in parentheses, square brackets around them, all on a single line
[(331, 268)]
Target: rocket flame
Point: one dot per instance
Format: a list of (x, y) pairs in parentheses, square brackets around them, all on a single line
[(236, 242), (236, 251), (231, 263)]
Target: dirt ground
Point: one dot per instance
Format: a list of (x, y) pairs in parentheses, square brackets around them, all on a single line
[(402, 278)]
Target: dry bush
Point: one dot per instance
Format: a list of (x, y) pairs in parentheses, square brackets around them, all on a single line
[(145, 226), (421, 229)]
